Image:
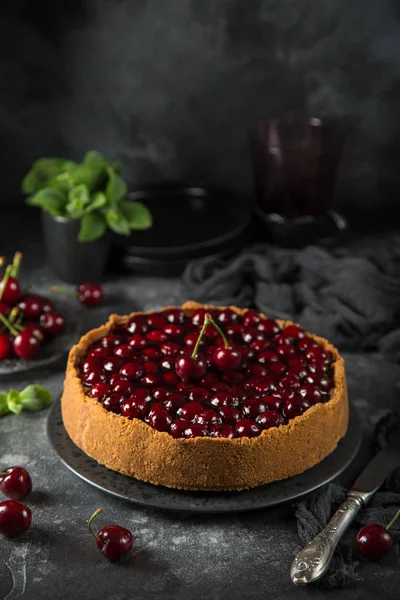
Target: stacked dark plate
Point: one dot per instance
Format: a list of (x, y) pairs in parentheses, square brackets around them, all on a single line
[(189, 222)]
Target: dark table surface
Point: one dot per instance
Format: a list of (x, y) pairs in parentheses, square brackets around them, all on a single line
[(175, 556)]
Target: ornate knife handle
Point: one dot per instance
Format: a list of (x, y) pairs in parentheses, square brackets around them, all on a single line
[(311, 563)]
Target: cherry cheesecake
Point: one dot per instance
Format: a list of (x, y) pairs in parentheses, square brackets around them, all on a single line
[(205, 398)]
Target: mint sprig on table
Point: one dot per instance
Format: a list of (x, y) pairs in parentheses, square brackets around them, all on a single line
[(33, 398), (92, 191)]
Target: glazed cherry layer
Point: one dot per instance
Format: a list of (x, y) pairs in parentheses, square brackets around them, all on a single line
[(282, 373)]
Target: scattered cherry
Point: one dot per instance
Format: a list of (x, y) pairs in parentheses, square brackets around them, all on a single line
[(88, 294), (375, 541), (10, 292), (5, 346), (53, 323), (26, 344), (15, 483), (31, 305), (15, 518), (113, 541)]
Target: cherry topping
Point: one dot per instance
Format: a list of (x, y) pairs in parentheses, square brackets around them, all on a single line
[(113, 541), (270, 418), (207, 417), (174, 315), (178, 427), (199, 394), (251, 318), (132, 370), (112, 401), (227, 359), (100, 390), (99, 353), (123, 351), (137, 341), (222, 431), (174, 402), (15, 483), (134, 408), (159, 417), (295, 407), (247, 428), (15, 518), (187, 367), (189, 410), (253, 407), (195, 430), (230, 414), (113, 364), (223, 398)]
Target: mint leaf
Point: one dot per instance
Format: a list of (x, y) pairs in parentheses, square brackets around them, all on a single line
[(4, 410), (116, 187), (52, 201), (116, 166), (41, 172), (78, 199), (137, 215), (63, 182), (98, 201), (35, 397), (95, 159), (14, 402), (93, 226), (117, 222)]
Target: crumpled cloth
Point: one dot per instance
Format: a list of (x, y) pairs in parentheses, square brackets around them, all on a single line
[(350, 295), (313, 514)]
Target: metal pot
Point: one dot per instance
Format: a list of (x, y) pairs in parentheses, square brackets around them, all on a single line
[(73, 261)]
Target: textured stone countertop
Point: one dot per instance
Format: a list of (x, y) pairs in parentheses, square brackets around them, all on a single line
[(243, 556)]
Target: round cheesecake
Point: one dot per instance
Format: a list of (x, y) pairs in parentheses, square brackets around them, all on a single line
[(277, 409)]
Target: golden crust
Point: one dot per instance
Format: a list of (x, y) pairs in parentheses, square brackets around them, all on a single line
[(133, 448)]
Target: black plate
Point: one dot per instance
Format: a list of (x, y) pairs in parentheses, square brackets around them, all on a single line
[(53, 349), (189, 221), (160, 497)]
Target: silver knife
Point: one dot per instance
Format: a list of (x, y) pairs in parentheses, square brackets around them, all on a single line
[(311, 562)]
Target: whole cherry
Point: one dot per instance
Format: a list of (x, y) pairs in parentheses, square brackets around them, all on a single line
[(375, 541), (113, 541), (31, 306), (15, 518), (89, 293), (15, 483), (5, 346), (26, 344), (53, 323)]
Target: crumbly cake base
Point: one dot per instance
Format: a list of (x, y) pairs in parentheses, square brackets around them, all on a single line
[(135, 449)]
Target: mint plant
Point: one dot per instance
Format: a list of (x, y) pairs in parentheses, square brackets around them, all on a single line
[(92, 191)]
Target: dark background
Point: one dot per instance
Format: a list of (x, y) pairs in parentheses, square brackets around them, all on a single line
[(172, 88)]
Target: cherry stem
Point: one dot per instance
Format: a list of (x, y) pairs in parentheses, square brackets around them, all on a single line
[(2, 261), (207, 321), (94, 515), (14, 314), (393, 520), (4, 473), (16, 264), (221, 333), (6, 277), (8, 325), (63, 290)]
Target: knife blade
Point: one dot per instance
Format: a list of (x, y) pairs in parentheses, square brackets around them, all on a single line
[(311, 562)]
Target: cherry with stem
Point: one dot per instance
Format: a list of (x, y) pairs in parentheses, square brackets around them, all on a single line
[(113, 541), (375, 541)]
